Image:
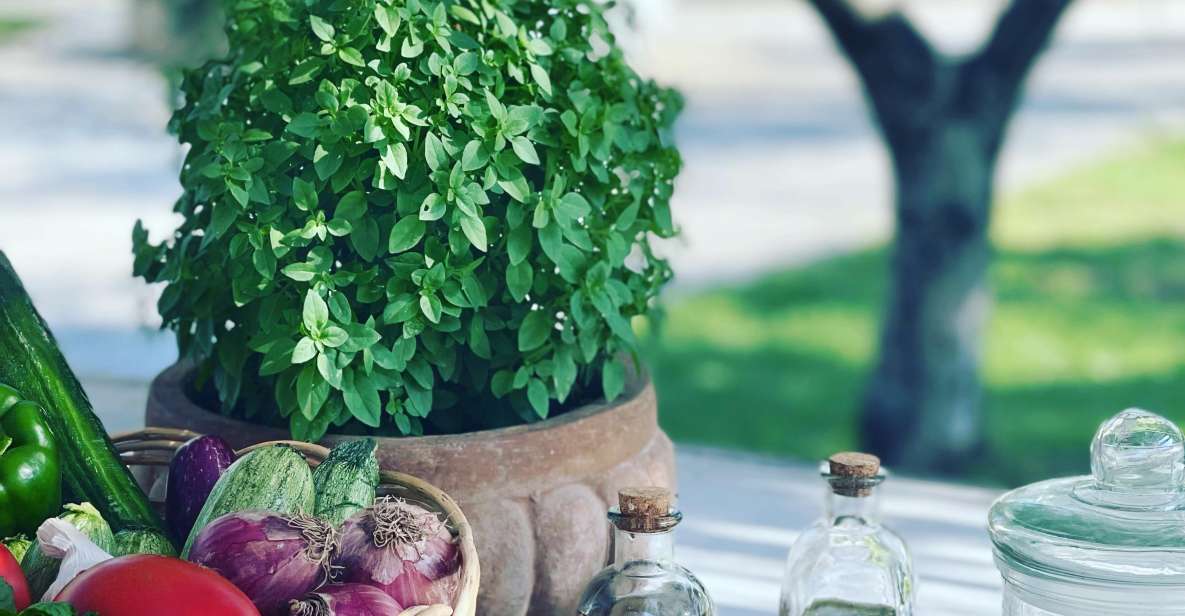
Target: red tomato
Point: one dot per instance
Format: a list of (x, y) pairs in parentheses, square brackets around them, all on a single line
[(151, 585), (10, 572)]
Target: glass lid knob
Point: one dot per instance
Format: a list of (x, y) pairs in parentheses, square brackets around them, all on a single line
[(1138, 452)]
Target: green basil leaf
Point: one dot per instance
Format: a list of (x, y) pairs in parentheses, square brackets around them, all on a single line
[(321, 28), (395, 159), (405, 234), (612, 379), (564, 373), (362, 398), (519, 278), (534, 331), (431, 307), (519, 243), (365, 238), (349, 55), (352, 206), (434, 152), (311, 391), (475, 156), (475, 230), (304, 194), (315, 313), (305, 350), (433, 208), (334, 336), (539, 398), (525, 150), (305, 72)]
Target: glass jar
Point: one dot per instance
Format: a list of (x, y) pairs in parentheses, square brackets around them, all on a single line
[(1106, 544), (643, 579), (847, 564)]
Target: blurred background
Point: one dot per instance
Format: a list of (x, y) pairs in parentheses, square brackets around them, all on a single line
[(1017, 319)]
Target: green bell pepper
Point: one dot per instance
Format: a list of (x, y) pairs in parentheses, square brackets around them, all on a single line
[(30, 467)]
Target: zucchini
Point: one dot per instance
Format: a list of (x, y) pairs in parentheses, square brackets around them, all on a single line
[(17, 546), (274, 478), (142, 542), (41, 570), (31, 362), (346, 481)]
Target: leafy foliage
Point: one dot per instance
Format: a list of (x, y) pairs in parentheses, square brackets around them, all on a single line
[(398, 208), (8, 605)]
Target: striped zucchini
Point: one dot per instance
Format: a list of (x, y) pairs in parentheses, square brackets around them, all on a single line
[(41, 570), (142, 542), (274, 478), (345, 482)]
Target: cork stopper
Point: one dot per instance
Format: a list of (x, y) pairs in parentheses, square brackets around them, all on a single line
[(644, 509), (854, 464), (644, 502), (853, 473)]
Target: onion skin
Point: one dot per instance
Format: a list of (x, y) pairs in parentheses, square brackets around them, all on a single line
[(346, 600), (403, 550), (272, 558)]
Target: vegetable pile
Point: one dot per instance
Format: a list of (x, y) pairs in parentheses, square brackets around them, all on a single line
[(261, 535), (270, 538), (286, 537)]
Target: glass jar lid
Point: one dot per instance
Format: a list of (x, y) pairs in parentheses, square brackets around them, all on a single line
[(1125, 523)]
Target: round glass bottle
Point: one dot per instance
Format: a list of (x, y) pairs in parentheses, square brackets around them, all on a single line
[(1105, 544), (643, 579), (847, 564)]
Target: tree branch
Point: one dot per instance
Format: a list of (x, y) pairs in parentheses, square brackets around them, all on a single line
[(991, 80), (896, 65)]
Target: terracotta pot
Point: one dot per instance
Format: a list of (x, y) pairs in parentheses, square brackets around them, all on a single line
[(535, 495)]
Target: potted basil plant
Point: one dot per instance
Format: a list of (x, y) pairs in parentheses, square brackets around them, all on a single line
[(430, 222)]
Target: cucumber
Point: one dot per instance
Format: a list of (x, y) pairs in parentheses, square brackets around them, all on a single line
[(274, 478), (345, 482), (142, 542), (31, 362)]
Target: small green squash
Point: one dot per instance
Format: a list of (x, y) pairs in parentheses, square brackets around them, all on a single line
[(143, 541), (346, 481)]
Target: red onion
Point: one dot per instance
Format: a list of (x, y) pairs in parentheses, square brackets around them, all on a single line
[(346, 600), (402, 549), (270, 557)]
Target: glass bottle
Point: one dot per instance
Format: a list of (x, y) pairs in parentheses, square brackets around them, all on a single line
[(644, 579), (847, 564)]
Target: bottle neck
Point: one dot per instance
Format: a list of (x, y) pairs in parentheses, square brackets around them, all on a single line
[(653, 547), (865, 509)]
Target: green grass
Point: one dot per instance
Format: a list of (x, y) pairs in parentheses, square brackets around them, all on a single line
[(1089, 318), (11, 26)]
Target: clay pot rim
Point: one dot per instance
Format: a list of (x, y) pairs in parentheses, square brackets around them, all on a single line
[(637, 383)]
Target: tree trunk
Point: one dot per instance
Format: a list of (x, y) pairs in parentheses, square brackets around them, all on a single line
[(922, 405), (943, 120)]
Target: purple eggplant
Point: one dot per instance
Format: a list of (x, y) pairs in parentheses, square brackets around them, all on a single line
[(194, 470)]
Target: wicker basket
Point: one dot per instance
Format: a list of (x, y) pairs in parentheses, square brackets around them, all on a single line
[(151, 449)]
